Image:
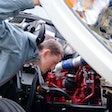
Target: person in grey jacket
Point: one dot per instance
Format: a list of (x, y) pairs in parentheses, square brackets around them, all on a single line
[(16, 45)]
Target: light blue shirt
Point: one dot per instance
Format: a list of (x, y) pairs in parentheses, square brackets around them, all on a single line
[(16, 46)]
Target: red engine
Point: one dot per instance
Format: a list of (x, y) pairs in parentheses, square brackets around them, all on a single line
[(83, 86)]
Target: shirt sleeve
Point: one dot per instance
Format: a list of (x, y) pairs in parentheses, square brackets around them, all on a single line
[(10, 8)]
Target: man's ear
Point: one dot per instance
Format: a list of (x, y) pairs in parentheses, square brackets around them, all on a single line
[(47, 52)]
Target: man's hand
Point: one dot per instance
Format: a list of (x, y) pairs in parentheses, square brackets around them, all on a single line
[(36, 2)]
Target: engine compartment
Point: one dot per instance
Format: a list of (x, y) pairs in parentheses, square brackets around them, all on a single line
[(76, 88)]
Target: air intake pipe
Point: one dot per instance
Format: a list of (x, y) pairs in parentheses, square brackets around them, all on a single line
[(67, 64)]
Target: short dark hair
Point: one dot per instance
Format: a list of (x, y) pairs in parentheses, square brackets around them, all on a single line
[(54, 46)]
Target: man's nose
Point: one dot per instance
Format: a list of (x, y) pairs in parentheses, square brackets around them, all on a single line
[(52, 68)]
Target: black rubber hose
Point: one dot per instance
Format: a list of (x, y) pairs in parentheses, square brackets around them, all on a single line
[(60, 92)]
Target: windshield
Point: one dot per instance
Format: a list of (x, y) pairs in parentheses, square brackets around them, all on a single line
[(97, 16)]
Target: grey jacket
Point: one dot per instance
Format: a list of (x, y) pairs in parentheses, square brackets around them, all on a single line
[(16, 46)]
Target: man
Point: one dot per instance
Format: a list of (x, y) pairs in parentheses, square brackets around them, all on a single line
[(50, 52), (17, 46)]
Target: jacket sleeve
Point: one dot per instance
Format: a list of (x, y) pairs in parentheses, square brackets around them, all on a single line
[(10, 8), (16, 46)]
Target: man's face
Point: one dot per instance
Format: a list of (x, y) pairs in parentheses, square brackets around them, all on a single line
[(48, 61)]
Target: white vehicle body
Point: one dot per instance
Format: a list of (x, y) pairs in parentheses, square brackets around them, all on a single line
[(87, 43)]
